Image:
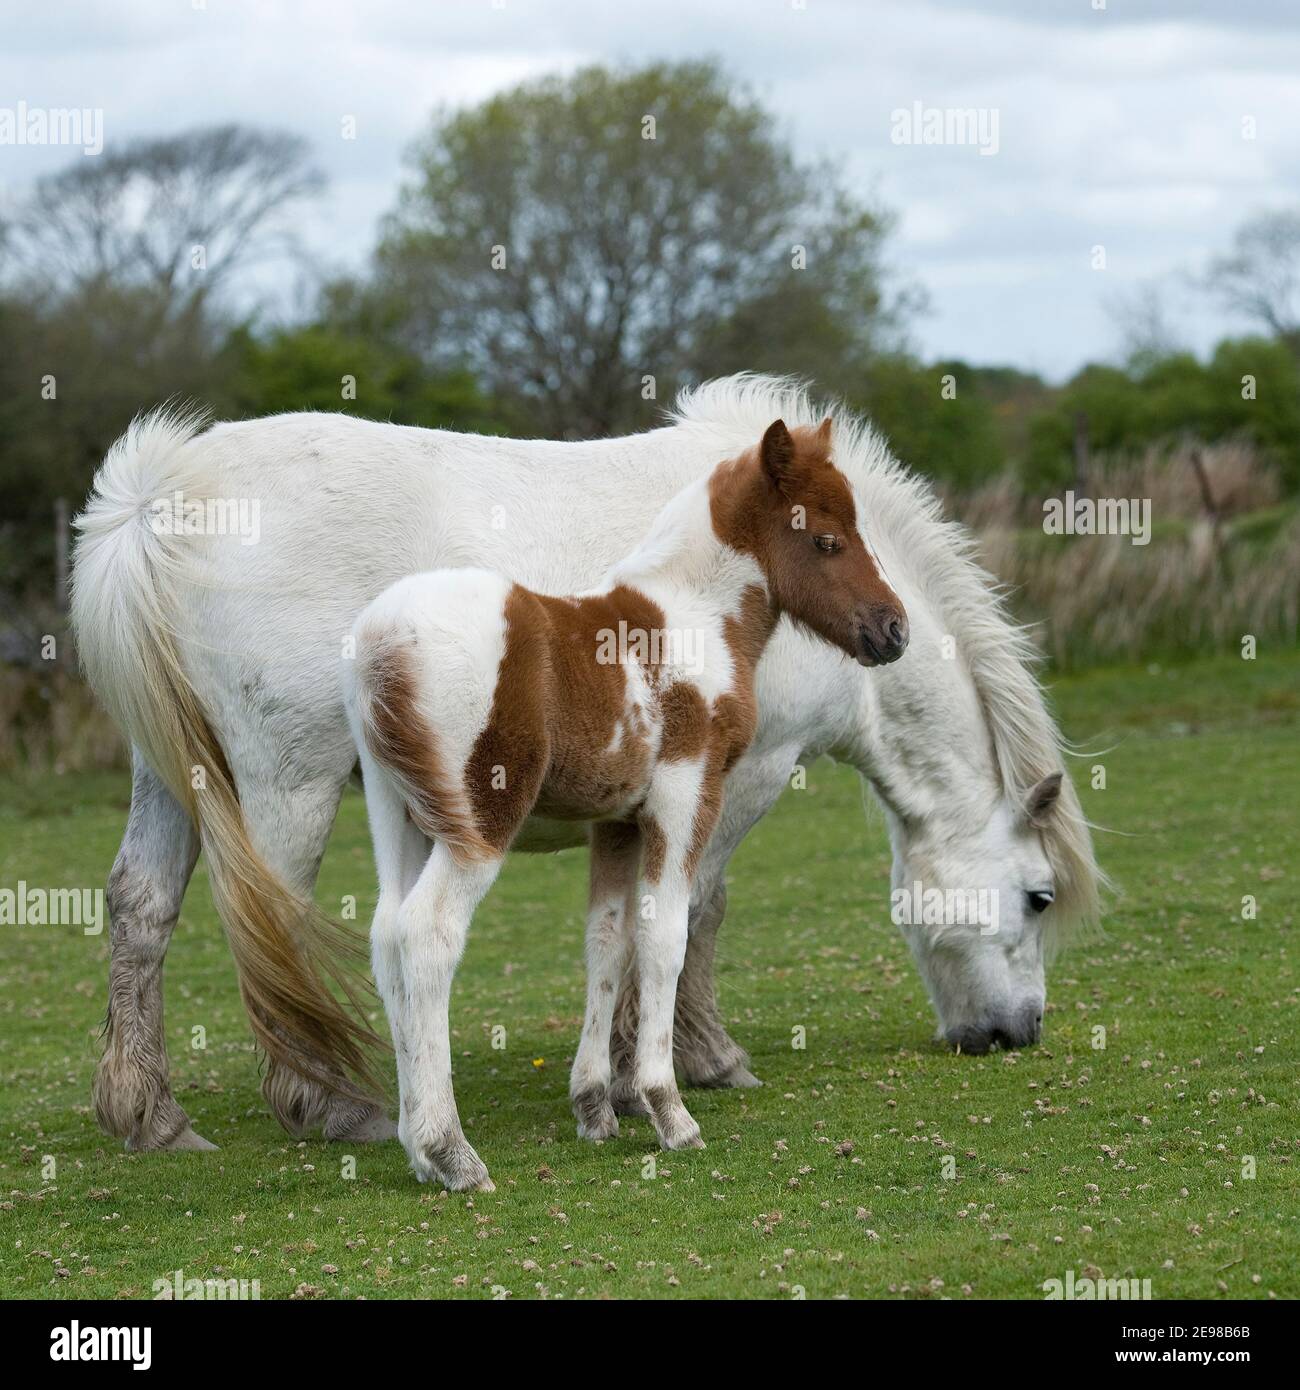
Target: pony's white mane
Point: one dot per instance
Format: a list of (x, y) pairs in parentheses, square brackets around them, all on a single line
[(999, 653)]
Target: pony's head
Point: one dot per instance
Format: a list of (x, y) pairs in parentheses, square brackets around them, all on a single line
[(788, 506), (982, 952), (957, 742)]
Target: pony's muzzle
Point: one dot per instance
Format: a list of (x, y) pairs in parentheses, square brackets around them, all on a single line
[(883, 636), (1018, 1029)]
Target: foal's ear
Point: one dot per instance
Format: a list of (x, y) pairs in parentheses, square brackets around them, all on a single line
[(776, 453), (1041, 800), (824, 433)]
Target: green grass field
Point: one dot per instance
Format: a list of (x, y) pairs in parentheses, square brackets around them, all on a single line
[(1128, 1160)]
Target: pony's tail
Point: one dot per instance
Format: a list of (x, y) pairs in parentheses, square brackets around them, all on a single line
[(128, 565)]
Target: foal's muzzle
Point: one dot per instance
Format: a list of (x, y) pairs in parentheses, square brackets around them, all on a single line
[(883, 637)]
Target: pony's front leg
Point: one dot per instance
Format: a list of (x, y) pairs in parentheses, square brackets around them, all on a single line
[(432, 925), (615, 855)]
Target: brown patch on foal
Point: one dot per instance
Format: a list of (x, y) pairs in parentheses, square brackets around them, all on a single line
[(686, 722), (656, 848), (560, 740), (402, 741)]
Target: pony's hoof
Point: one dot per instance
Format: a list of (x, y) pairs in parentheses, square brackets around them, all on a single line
[(673, 1123), (601, 1128), (454, 1164), (740, 1077), (627, 1100), (595, 1114), (682, 1139), (358, 1123), (376, 1129), (188, 1141)]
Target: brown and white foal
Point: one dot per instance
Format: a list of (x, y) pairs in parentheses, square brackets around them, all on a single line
[(477, 704)]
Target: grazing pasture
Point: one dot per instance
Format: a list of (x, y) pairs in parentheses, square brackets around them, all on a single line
[(1127, 1161)]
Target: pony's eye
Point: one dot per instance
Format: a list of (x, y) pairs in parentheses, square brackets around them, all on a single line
[(830, 544), (1040, 899)]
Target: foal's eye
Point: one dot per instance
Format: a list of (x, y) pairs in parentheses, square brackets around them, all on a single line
[(830, 544), (1040, 900)]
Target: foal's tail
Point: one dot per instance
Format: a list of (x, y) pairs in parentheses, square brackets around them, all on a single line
[(383, 699), (130, 562)]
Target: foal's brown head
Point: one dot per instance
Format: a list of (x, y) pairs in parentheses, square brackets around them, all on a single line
[(787, 504)]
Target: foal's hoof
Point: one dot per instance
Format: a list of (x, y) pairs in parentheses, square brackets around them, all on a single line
[(454, 1164), (595, 1114), (740, 1077)]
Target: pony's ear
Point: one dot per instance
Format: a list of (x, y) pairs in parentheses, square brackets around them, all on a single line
[(776, 453), (1041, 800), (824, 433)]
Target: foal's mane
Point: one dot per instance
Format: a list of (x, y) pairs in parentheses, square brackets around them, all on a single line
[(999, 653)]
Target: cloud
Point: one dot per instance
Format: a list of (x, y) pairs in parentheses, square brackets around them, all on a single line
[(1128, 127)]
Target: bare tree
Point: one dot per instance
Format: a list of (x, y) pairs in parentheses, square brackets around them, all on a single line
[(103, 311), (174, 216), (1261, 276), (1146, 329)]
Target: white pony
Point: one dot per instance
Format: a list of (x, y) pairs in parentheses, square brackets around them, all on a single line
[(477, 704), (224, 657)]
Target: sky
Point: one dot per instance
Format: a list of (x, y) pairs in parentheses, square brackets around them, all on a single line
[(1148, 128)]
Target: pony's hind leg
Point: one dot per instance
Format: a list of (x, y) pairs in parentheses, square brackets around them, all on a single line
[(706, 1054), (615, 855), (289, 820), (132, 1094), (432, 925)]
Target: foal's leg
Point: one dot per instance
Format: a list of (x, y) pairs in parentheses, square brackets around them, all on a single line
[(660, 951), (615, 853), (676, 812), (432, 925), (132, 1094), (400, 853), (705, 1053)]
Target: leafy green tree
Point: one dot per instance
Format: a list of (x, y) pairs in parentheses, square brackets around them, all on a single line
[(935, 417), (320, 368), (1254, 389), (573, 237)]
